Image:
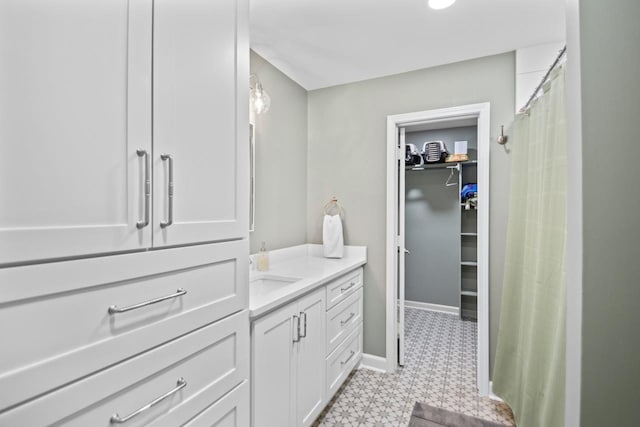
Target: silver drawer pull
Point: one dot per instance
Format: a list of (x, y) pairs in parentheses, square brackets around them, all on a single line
[(345, 321), (114, 308), (147, 188), (169, 220), (115, 418), (348, 358), (296, 328), (303, 335), (351, 285)]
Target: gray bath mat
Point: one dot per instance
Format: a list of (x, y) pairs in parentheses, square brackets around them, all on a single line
[(424, 415)]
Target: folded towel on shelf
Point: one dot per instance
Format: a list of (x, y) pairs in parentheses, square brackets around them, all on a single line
[(332, 239)]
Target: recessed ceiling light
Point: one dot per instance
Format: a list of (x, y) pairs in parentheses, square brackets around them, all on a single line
[(440, 4)]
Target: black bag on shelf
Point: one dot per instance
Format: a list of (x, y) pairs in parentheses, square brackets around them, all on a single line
[(412, 155)]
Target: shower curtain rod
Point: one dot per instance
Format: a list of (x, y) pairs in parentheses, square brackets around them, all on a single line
[(544, 79)]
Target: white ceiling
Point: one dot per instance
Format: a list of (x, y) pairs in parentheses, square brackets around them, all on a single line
[(320, 43)]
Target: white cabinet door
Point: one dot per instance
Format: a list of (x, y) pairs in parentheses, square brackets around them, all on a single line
[(311, 351), (200, 72), (273, 368), (288, 376), (75, 85)]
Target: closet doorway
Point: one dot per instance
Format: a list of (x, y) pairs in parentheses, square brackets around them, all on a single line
[(435, 233)]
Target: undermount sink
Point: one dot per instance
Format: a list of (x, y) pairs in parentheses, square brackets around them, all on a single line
[(271, 280)]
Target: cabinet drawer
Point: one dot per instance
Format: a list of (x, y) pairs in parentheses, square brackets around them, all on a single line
[(342, 287), (212, 360), (342, 319), (342, 361), (230, 411), (55, 324)]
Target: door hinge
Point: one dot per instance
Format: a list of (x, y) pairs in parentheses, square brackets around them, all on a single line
[(399, 153)]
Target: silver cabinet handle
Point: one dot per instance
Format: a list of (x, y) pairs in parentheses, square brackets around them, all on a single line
[(114, 308), (345, 321), (348, 358), (406, 251), (169, 220), (302, 313), (296, 328), (116, 419), (351, 285), (147, 187)]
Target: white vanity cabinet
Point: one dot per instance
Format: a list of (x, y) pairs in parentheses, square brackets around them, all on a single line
[(344, 328), (118, 126), (288, 374), (304, 351)]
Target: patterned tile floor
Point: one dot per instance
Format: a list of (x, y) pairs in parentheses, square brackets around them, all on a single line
[(440, 370)]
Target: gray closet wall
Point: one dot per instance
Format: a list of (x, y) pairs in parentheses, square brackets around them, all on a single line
[(432, 224)]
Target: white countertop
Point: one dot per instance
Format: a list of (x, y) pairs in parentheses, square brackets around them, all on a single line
[(304, 262)]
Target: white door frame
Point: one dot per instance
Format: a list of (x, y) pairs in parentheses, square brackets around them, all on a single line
[(481, 112), (401, 245)]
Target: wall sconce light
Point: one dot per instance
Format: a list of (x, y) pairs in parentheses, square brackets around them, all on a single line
[(259, 99)]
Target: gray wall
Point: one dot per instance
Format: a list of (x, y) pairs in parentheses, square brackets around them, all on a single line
[(432, 221), (610, 66), (281, 161), (347, 137)]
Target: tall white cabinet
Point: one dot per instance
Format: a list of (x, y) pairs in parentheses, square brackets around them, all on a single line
[(119, 126), (124, 212)]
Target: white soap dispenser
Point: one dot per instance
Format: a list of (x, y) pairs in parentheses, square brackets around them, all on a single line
[(263, 258)]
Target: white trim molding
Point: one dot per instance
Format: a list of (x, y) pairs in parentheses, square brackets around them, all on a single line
[(574, 243), (480, 112), (448, 309), (375, 363)]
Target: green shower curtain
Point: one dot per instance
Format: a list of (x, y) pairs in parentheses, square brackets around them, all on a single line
[(529, 369)]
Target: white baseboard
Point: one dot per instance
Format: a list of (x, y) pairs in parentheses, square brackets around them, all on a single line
[(492, 395), (432, 307), (375, 363)]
